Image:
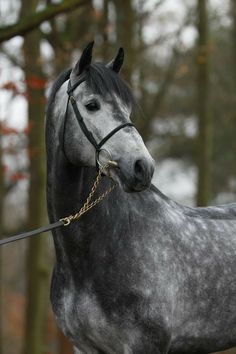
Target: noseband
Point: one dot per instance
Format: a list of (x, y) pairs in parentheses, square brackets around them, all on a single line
[(85, 130)]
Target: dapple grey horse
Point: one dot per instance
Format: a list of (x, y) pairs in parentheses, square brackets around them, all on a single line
[(139, 273)]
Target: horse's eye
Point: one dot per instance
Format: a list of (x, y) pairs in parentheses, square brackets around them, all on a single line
[(92, 106)]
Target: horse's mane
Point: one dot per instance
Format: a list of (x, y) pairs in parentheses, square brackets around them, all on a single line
[(103, 81), (218, 212), (65, 75)]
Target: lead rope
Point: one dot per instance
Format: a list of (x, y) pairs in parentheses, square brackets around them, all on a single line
[(68, 219), (88, 204)]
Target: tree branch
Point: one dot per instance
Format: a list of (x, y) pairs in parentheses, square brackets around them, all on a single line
[(13, 59), (32, 21)]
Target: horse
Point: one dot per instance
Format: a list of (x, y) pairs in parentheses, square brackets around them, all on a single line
[(139, 273)]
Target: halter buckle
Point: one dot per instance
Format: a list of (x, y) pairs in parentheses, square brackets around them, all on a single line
[(72, 99)]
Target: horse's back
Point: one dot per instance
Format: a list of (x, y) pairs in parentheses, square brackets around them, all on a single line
[(220, 212)]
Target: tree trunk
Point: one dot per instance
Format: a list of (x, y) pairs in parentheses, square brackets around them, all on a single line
[(125, 20), (37, 266), (204, 116), (1, 250), (104, 30), (65, 347), (233, 7)]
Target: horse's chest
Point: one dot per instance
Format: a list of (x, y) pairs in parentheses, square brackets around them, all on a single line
[(82, 319), (62, 298)]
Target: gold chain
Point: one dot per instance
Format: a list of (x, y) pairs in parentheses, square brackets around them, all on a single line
[(88, 204)]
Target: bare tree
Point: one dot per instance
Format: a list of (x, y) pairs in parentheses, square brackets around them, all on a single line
[(1, 251), (125, 17), (37, 268), (32, 21), (233, 7), (204, 115)]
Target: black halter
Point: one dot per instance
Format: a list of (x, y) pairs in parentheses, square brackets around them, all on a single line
[(85, 130)]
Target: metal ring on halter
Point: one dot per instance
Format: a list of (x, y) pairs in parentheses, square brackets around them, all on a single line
[(110, 161)]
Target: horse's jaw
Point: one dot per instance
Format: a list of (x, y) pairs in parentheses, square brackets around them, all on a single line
[(128, 184)]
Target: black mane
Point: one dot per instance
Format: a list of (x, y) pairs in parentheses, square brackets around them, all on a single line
[(103, 80), (65, 75)]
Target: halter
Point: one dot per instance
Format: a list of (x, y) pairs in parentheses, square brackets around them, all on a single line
[(85, 130)]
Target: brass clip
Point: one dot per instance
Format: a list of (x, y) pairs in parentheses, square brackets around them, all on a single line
[(66, 221), (112, 163), (72, 99)]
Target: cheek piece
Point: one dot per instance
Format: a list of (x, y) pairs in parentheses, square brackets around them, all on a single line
[(85, 130)]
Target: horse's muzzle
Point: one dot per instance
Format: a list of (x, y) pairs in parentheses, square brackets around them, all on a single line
[(139, 176), (143, 172)]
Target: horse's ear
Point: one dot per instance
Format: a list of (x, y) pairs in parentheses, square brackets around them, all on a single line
[(85, 60), (117, 62)]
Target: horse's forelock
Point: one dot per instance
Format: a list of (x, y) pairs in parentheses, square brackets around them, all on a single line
[(103, 81)]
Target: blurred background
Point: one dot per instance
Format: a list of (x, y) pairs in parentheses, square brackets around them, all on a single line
[(180, 60)]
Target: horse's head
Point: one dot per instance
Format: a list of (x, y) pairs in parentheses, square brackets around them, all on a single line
[(98, 122)]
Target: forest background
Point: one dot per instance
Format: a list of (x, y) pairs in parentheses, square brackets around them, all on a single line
[(180, 59)]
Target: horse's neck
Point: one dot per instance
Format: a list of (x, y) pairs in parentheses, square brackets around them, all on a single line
[(120, 213), (67, 190), (67, 187)]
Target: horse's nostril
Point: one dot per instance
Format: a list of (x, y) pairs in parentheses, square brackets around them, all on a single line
[(139, 168), (143, 172)]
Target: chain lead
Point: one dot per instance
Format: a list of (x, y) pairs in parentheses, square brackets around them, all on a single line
[(88, 204)]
